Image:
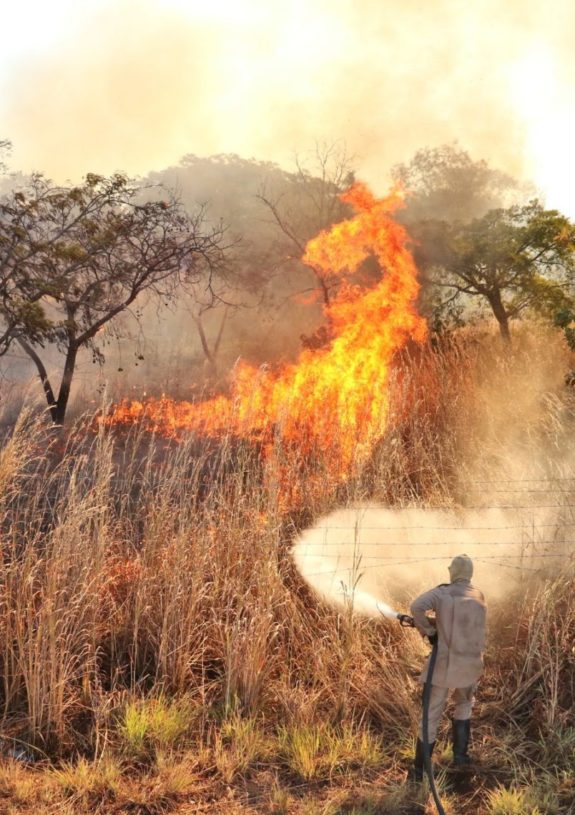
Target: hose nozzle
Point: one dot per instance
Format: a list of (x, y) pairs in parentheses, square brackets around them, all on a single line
[(406, 621)]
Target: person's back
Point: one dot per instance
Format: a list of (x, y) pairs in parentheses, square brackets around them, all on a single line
[(460, 625)]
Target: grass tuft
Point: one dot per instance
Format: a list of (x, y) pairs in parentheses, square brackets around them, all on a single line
[(96, 780), (318, 750), (512, 801), (149, 725), (238, 746)]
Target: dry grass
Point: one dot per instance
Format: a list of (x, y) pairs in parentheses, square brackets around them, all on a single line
[(239, 745), (88, 781), (150, 611)]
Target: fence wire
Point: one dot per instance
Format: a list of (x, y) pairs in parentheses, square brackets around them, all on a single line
[(530, 542)]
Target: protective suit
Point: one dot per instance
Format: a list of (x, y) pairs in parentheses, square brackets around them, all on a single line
[(460, 626)]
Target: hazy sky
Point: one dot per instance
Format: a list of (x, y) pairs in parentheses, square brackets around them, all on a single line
[(128, 85)]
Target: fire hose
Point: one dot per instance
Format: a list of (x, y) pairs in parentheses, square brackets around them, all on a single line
[(408, 622)]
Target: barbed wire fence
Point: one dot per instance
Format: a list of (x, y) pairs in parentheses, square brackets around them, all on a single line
[(540, 540)]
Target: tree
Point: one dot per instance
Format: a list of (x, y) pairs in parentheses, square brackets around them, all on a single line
[(72, 259), (255, 285), (5, 147), (514, 258), (311, 202), (445, 183), (259, 309)]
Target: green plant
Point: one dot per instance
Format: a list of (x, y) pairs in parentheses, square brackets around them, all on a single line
[(147, 725), (512, 801), (319, 749), (238, 745), (302, 747), (279, 799)]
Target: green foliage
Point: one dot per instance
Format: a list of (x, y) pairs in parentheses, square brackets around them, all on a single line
[(478, 246), (74, 258), (510, 259), (565, 319), (317, 750), (238, 745), (149, 725)]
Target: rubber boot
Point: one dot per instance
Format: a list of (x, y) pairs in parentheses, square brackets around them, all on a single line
[(417, 770), (461, 729)]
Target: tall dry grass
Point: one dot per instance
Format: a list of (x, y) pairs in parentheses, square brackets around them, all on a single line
[(135, 567)]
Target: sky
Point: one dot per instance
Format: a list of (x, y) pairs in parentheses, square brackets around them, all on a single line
[(98, 86)]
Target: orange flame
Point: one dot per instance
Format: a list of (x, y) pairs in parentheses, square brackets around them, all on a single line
[(335, 396)]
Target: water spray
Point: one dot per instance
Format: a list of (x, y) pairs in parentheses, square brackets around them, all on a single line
[(405, 620)]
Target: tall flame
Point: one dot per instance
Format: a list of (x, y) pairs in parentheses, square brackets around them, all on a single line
[(333, 397)]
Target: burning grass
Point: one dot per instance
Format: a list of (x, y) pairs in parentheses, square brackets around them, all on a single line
[(335, 395), (160, 647)]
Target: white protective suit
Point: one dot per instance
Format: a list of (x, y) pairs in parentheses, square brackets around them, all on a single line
[(460, 615)]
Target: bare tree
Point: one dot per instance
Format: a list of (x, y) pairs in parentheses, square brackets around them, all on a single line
[(311, 202)]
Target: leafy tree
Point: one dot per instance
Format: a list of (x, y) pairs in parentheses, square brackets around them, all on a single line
[(512, 259), (565, 318), (445, 183), (72, 259)]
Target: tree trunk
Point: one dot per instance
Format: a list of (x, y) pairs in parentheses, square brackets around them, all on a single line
[(65, 386), (204, 341), (500, 314), (324, 288), (220, 332), (43, 374)]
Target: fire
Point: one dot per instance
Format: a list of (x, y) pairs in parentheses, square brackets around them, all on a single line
[(332, 398)]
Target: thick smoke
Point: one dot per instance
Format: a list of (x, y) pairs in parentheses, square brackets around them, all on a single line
[(133, 86)]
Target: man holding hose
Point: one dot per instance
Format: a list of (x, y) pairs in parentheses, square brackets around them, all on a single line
[(459, 627)]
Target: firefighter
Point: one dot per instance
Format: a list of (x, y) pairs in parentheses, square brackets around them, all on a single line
[(459, 630)]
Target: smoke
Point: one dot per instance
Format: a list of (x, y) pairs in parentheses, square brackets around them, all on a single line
[(113, 95), (371, 555), (133, 86)]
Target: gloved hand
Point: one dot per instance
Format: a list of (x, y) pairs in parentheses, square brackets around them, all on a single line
[(432, 638)]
